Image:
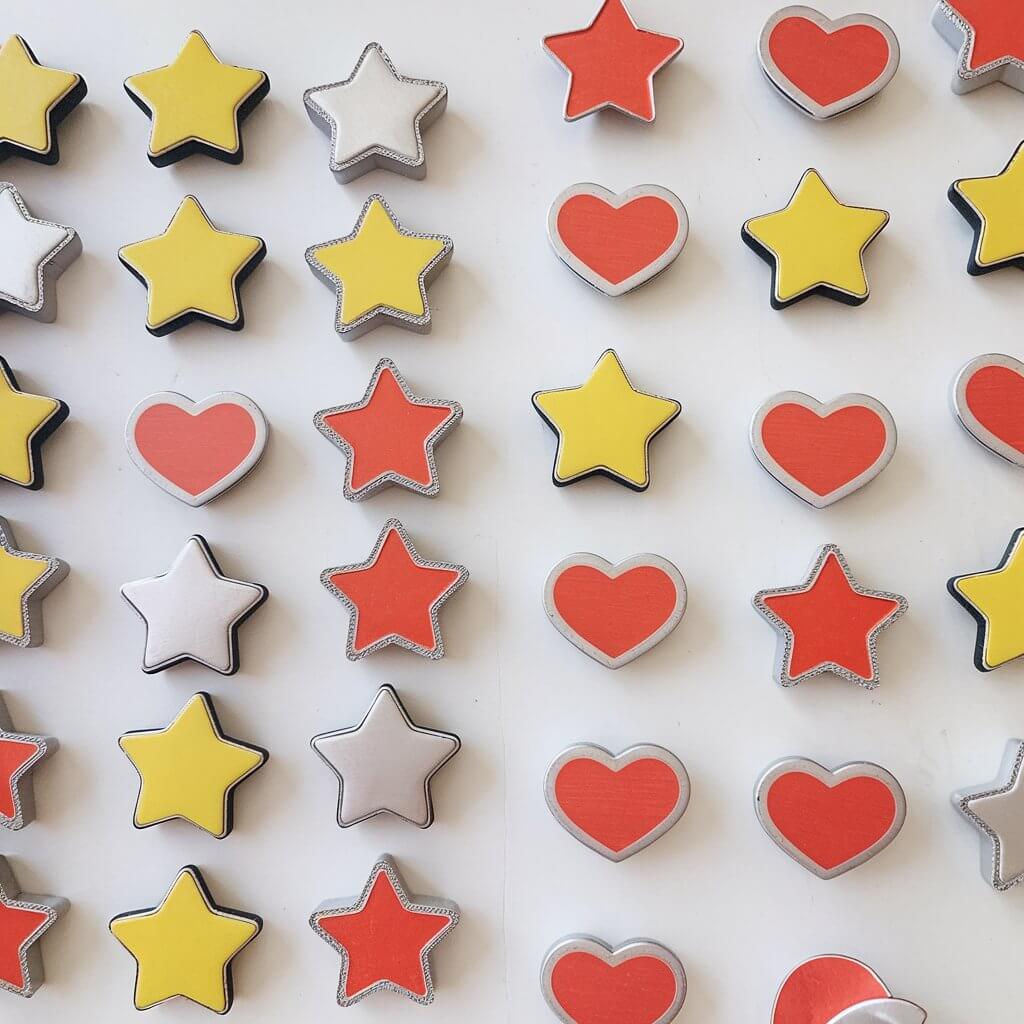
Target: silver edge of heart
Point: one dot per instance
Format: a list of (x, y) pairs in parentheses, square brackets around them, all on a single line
[(617, 201), (968, 420), (194, 409), (796, 95), (829, 777), (822, 409), (612, 572), (615, 763), (628, 950)]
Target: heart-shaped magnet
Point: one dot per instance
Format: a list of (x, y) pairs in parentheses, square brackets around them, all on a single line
[(988, 398)]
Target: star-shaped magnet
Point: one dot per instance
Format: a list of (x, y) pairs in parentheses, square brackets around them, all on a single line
[(197, 104), (190, 769), (36, 252), (26, 421), (605, 426), (34, 99), (375, 117), (389, 435), (25, 579), (380, 271), (19, 755), (193, 271), (612, 63), (815, 245), (193, 611), (988, 36), (185, 945), (993, 597), (23, 921), (394, 596), (385, 763), (829, 623), (384, 936)]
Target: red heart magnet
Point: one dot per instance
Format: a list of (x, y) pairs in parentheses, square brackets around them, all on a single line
[(823, 451), (988, 397), (614, 613), (826, 67), (196, 450), (617, 242)]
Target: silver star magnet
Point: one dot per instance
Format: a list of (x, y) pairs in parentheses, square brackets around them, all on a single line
[(26, 917), (996, 59), (19, 755), (385, 764), (376, 117), (25, 579)]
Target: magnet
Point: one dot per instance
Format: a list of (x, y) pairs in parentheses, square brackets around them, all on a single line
[(34, 99), (825, 67), (988, 36), (617, 804), (184, 946), (20, 753), (195, 451), (823, 451), (25, 579), (193, 271), (197, 104), (614, 613), (988, 399), (836, 989), (192, 612), (384, 936), (991, 206), (389, 435), (394, 597), (605, 426), (586, 981), (617, 242), (376, 117), (815, 245), (829, 623), (190, 769), (385, 764), (24, 919), (993, 598), (380, 272), (611, 64), (997, 811), (26, 421), (33, 254), (829, 820)]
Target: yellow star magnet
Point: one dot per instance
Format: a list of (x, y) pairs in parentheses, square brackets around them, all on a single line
[(995, 599), (815, 246), (380, 271), (26, 421), (197, 104), (994, 207), (193, 271), (190, 769), (25, 579), (34, 99), (605, 426), (184, 946)]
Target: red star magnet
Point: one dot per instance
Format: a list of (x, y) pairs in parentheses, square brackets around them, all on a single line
[(389, 436), (23, 920), (988, 36), (829, 623), (384, 936), (394, 596), (19, 754), (612, 63)]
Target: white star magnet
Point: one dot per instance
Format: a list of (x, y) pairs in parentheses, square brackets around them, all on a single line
[(375, 117), (997, 810), (385, 763), (33, 254), (193, 611)]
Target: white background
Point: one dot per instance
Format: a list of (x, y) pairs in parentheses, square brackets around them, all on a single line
[(510, 319)]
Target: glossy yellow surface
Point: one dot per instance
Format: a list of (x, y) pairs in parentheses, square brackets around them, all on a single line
[(17, 574), (28, 92), (191, 267), (817, 241), (998, 202), (379, 267), (21, 415), (605, 424), (184, 946), (188, 769)]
